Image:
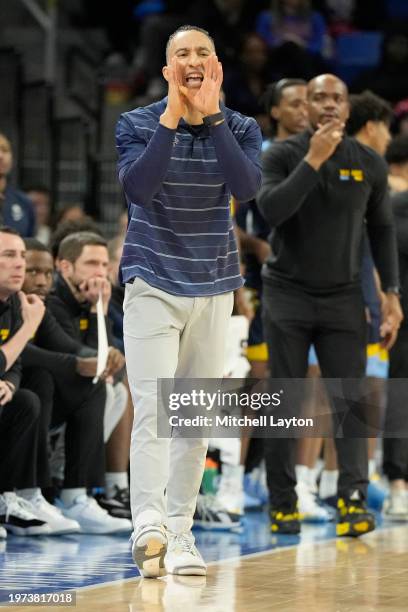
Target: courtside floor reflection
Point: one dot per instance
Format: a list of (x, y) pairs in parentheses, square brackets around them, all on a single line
[(52, 564)]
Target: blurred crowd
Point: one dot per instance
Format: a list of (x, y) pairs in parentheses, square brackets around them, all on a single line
[(257, 42)]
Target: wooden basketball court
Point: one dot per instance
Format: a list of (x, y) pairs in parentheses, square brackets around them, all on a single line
[(334, 575)]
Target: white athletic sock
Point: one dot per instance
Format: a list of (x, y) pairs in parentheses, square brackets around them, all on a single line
[(372, 468), (302, 473), (68, 496), (313, 474), (29, 493), (115, 479), (328, 483)]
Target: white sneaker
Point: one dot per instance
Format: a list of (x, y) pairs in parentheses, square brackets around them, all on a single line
[(396, 506), (230, 494), (209, 514), (309, 508), (149, 546), (92, 518), (182, 556), (17, 515), (3, 533), (53, 516)]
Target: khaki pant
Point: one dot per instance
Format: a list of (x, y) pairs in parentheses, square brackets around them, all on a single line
[(168, 336)]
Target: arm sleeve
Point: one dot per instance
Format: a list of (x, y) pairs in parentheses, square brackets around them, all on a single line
[(59, 364), (239, 162), (51, 336), (142, 163), (282, 194), (3, 363), (13, 375), (381, 229)]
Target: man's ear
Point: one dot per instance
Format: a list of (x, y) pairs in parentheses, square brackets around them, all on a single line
[(370, 127), (65, 267), (165, 72), (275, 113)]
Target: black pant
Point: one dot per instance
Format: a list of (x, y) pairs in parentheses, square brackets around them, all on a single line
[(81, 405), (395, 459), (335, 324), (19, 425)]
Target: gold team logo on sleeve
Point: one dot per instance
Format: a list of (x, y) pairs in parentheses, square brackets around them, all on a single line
[(4, 334), (356, 175), (83, 324)]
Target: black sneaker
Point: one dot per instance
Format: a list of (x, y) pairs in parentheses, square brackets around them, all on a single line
[(353, 518), (210, 514), (17, 515), (286, 521), (118, 505)]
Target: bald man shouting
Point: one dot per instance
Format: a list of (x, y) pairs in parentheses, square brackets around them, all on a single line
[(321, 191)]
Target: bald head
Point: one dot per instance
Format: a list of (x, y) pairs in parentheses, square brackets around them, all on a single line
[(326, 80), (327, 100)]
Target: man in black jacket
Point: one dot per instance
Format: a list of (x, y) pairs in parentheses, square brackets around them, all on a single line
[(319, 189), (19, 408), (83, 263), (59, 369)]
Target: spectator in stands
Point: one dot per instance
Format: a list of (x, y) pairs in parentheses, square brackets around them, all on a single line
[(390, 78), (16, 210), (292, 21), (40, 197), (229, 21), (339, 15), (19, 408), (295, 34), (70, 212), (244, 87)]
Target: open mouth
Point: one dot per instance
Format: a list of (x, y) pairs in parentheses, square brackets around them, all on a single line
[(194, 79)]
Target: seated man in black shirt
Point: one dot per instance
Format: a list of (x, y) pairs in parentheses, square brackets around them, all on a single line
[(320, 190), (118, 407), (19, 408), (59, 369), (83, 264)]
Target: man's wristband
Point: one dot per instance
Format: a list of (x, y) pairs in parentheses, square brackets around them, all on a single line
[(393, 290), (211, 120)]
